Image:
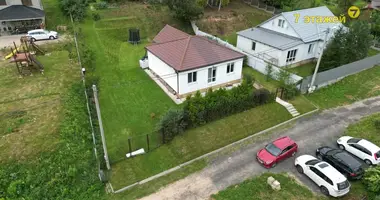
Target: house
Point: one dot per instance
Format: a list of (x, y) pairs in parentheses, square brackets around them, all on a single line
[(21, 15), (288, 39), (375, 4), (186, 63)]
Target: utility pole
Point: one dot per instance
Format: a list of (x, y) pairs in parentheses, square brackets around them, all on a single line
[(319, 61), (101, 126)]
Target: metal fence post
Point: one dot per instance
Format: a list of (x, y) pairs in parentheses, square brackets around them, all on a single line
[(147, 140), (130, 147), (101, 126)]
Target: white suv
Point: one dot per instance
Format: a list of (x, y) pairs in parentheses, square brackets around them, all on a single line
[(330, 181), (361, 148), (41, 34)]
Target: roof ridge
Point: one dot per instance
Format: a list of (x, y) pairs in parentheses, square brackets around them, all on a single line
[(184, 53), (214, 42), (176, 40)]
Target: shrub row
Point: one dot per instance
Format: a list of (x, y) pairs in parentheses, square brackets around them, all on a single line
[(198, 110)]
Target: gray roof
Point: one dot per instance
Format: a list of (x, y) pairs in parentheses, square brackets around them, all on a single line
[(271, 38), (19, 12), (307, 32)]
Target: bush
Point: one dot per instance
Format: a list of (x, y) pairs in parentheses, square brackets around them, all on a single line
[(77, 8), (95, 16), (377, 124), (101, 5), (172, 124), (291, 91), (372, 179), (262, 96)]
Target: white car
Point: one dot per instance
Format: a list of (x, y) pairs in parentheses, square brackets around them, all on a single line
[(361, 148), (41, 34), (330, 181)]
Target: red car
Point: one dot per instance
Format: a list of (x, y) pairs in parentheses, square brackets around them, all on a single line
[(277, 151)]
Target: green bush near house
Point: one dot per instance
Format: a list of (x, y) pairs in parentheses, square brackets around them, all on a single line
[(372, 179)]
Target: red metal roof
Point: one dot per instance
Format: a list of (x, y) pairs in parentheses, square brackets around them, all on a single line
[(169, 33), (192, 52)]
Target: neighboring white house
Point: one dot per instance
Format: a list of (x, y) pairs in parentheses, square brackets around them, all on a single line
[(375, 4), (22, 15), (287, 38), (187, 63)]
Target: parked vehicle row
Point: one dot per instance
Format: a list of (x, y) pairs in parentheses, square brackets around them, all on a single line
[(332, 168)]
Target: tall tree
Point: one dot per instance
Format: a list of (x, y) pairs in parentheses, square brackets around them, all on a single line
[(375, 23), (347, 46), (185, 9)]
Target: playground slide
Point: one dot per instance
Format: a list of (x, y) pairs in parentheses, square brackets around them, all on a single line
[(36, 47), (11, 54), (35, 61)]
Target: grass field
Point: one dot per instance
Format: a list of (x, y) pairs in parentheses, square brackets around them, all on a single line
[(28, 102), (303, 70), (236, 17), (54, 15), (350, 89), (257, 188), (128, 97), (196, 142)]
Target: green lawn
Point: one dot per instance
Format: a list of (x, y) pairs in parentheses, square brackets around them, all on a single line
[(128, 97), (196, 142), (54, 16), (350, 89), (373, 52), (257, 188), (303, 70), (28, 102), (235, 17)]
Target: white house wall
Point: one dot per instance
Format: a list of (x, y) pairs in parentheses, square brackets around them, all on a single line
[(273, 25), (202, 77), (167, 73), (302, 53), (36, 3), (245, 44)]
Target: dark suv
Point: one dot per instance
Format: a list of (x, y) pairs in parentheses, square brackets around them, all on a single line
[(342, 161)]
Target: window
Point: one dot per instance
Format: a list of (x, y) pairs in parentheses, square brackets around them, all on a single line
[(353, 140), (211, 74), (272, 149), (192, 77), (3, 2), (311, 48), (360, 148), (253, 46), (312, 162), (323, 165), (281, 23), (230, 67), (27, 2), (320, 174), (291, 55)]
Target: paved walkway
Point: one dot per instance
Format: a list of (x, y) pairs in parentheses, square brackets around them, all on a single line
[(310, 132)]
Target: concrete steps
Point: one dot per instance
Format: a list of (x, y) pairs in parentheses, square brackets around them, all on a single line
[(288, 107)]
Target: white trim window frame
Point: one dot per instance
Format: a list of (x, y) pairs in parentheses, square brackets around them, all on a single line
[(192, 77), (230, 68), (291, 56), (281, 23), (211, 77), (311, 48)]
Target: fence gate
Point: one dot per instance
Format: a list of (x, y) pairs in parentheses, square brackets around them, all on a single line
[(280, 92)]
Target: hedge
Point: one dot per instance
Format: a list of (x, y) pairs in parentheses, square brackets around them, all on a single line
[(198, 110)]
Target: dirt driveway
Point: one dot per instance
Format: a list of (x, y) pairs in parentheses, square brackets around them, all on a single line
[(310, 132), (7, 41)]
